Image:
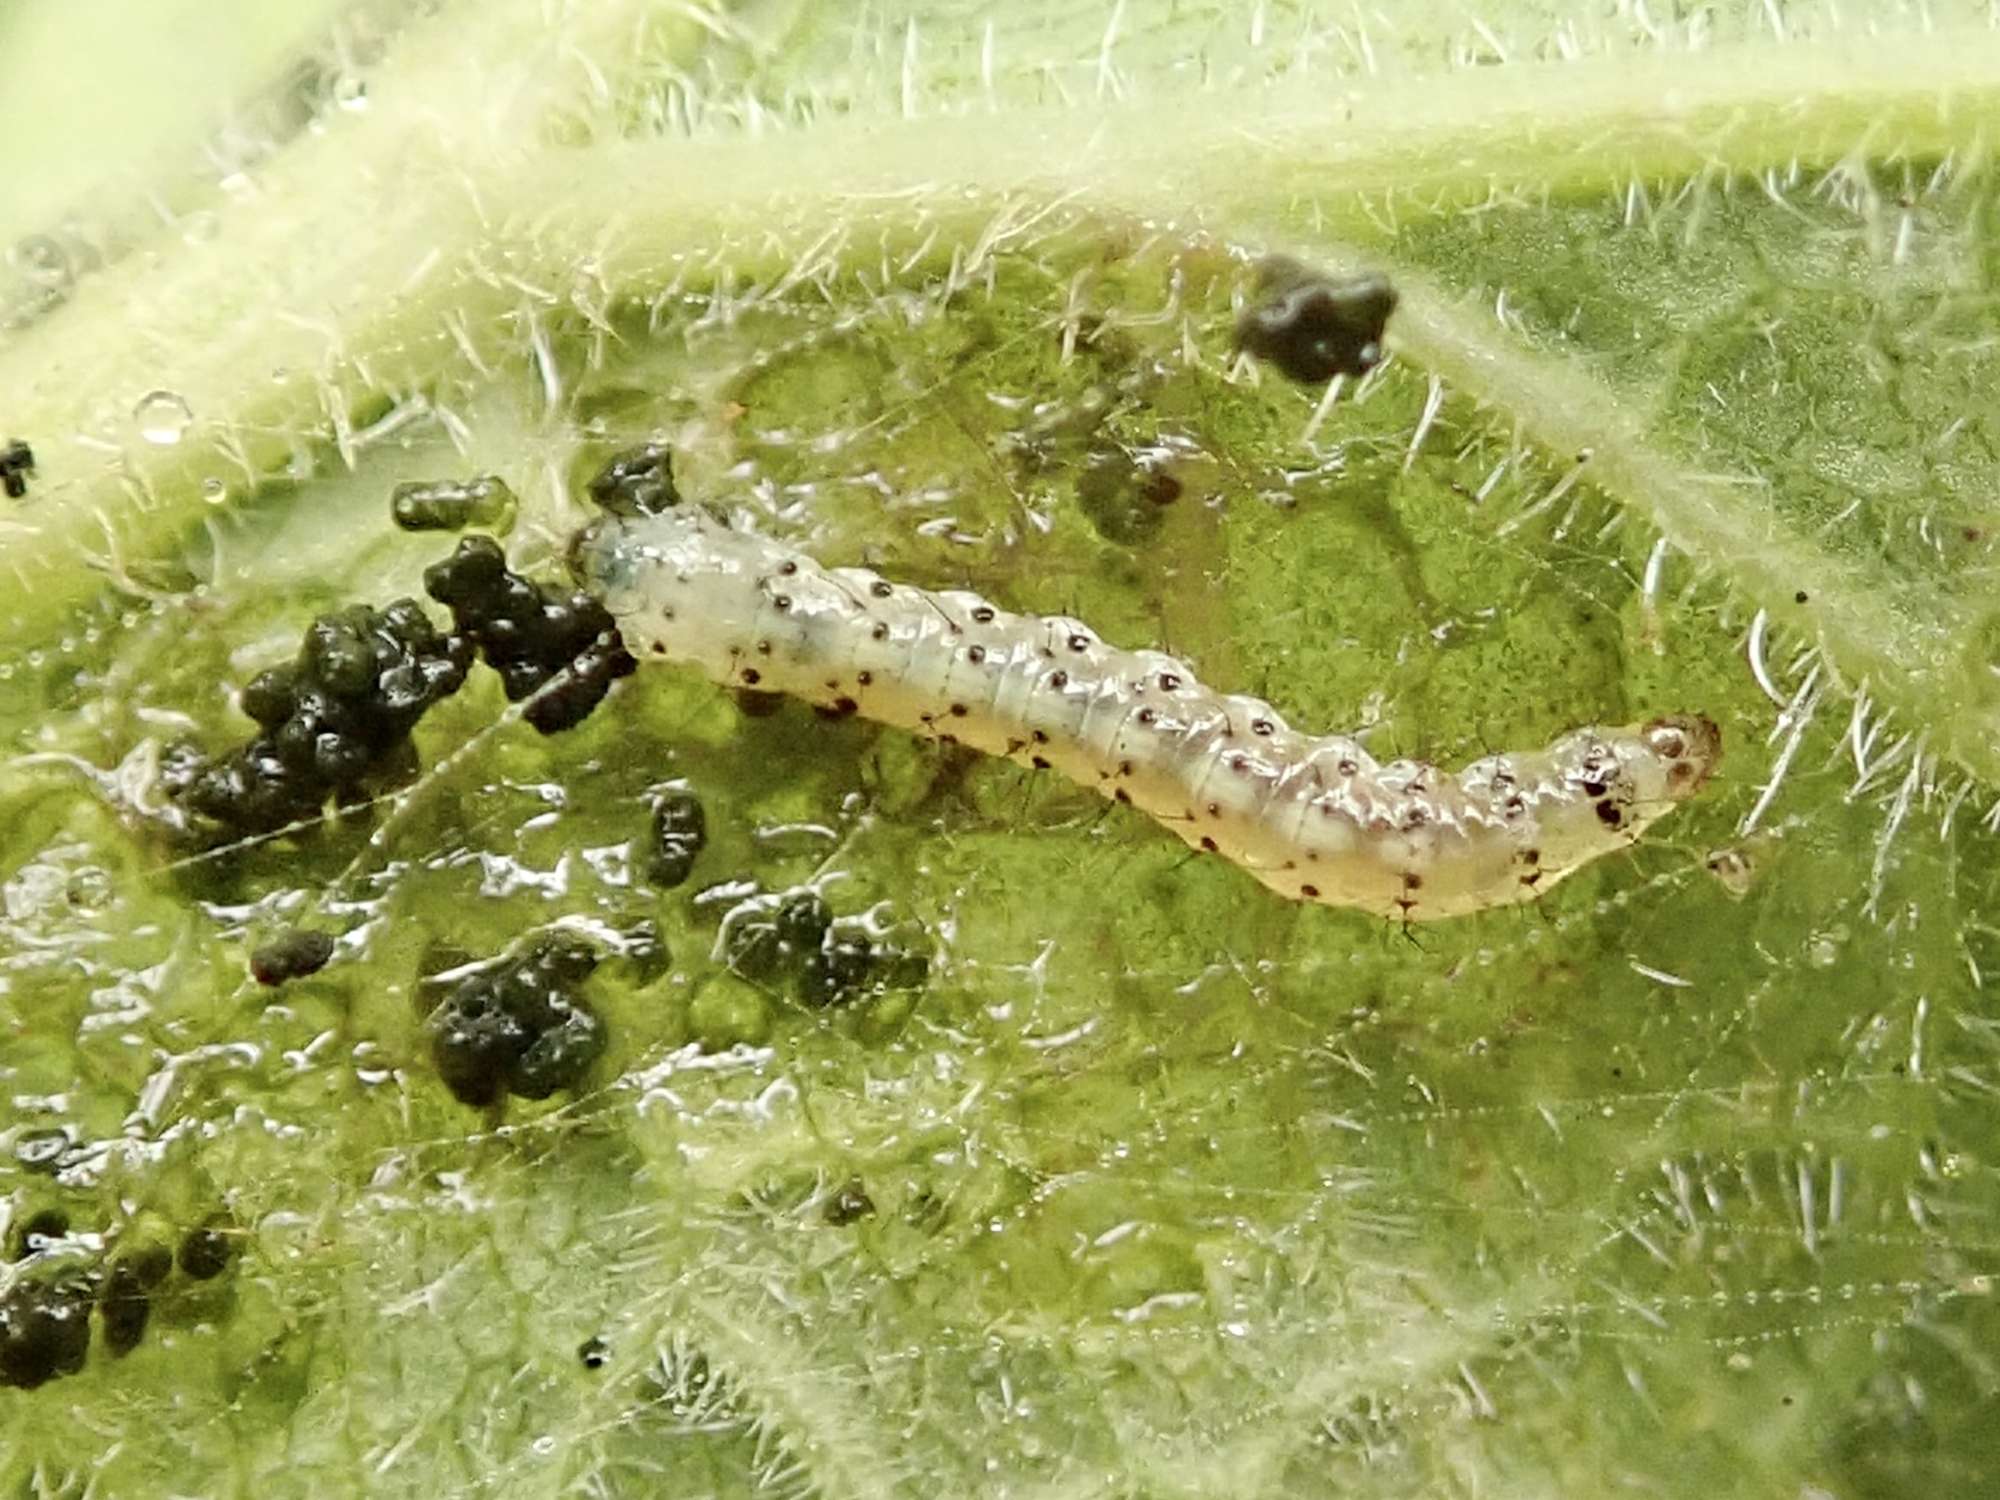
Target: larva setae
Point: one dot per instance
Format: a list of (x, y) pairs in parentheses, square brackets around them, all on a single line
[(1317, 819)]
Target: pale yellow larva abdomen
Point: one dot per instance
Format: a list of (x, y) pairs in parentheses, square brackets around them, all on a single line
[(1315, 818)]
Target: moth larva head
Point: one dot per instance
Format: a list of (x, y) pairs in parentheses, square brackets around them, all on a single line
[(600, 556), (605, 559), (577, 554)]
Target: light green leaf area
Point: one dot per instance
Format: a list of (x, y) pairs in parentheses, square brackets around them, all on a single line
[(1678, 1181)]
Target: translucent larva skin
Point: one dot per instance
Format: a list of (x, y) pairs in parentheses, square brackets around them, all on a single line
[(1314, 818)]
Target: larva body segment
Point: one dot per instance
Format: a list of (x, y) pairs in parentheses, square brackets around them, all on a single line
[(1314, 818)]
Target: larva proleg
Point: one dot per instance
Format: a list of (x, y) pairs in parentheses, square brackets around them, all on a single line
[(1314, 818)]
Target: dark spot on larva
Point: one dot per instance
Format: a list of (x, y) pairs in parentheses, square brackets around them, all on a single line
[(880, 589), (1592, 787), (667, 613), (1801, 597), (763, 648), (1348, 767), (863, 679), (659, 649), (1208, 843), (788, 568), (1038, 763), (1124, 768), (1262, 726), (1291, 864), (958, 710), (1609, 815), (833, 684), (1415, 818), (947, 739), (781, 602), (1312, 856), (1079, 643), (1058, 679), (1039, 736), (1412, 881), (1531, 880), (1531, 856), (880, 632), (1240, 764), (1310, 892), (1146, 716), (1170, 682), (839, 708), (975, 654), (1515, 806), (1121, 795), (1215, 809), (752, 676), (983, 614)]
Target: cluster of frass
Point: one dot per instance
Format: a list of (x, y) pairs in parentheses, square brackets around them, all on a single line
[(45, 1320), (336, 721)]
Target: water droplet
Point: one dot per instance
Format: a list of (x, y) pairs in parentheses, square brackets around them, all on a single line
[(350, 93), (163, 417), (214, 491)]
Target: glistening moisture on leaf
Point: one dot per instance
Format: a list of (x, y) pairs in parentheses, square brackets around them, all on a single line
[(708, 1096)]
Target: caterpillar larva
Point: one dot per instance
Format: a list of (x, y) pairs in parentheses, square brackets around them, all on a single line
[(1313, 818)]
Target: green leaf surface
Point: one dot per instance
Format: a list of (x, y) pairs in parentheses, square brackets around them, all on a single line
[(1678, 1181)]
